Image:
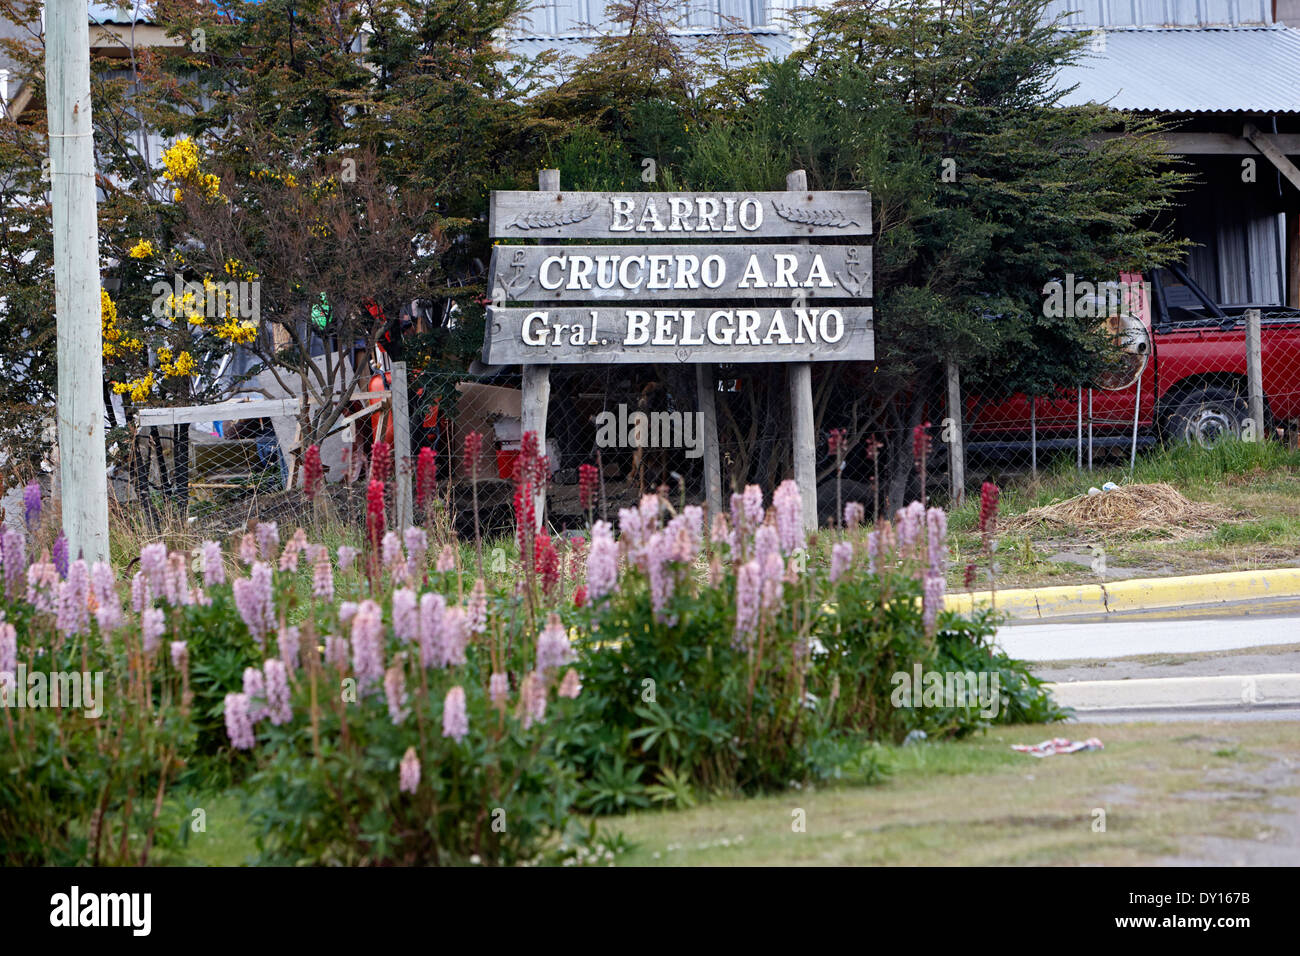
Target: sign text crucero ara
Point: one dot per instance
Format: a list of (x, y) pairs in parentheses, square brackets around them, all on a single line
[(692, 288)]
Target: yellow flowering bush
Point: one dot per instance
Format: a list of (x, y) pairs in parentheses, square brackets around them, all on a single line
[(117, 344), (181, 166), (144, 249)]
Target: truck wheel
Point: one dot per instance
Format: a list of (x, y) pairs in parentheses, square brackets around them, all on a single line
[(1208, 415)]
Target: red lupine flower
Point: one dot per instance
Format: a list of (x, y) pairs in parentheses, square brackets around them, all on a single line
[(426, 474), (473, 448), (968, 579), (311, 472), (921, 443), (988, 507), (380, 461), (588, 479), (836, 440), (525, 515), (580, 595), (375, 512), (872, 447), (546, 562)]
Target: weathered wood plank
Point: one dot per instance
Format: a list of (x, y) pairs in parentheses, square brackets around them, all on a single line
[(688, 333), (221, 412), (673, 272), (761, 215)]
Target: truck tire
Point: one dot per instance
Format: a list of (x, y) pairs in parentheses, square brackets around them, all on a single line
[(1207, 415)]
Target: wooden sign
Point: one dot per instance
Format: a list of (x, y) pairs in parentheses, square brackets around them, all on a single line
[(763, 215), (688, 333), (672, 272)]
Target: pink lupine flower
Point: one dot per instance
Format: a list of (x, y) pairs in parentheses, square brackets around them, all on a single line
[(417, 546), (367, 645), (631, 527), (347, 555), (477, 611), (932, 600), (694, 519), (657, 557), (153, 562), (719, 529), (322, 575), (408, 780), (152, 625), (406, 624), (773, 581), (571, 686), (432, 608), (841, 559), (255, 601), (290, 641), (873, 551), (337, 652), (651, 508), (255, 691), (141, 594), (268, 539), (248, 548), (532, 700), (749, 588), (752, 501), (347, 611), (910, 521), (498, 689), (602, 561), (277, 692), (42, 580), (395, 693), (788, 504), (767, 540), (176, 581), (13, 548), (936, 522), (180, 652), (108, 606), (214, 568), (553, 647), (854, 514), (8, 649), (239, 727), (73, 615), (455, 637), (455, 721), (446, 559), (391, 550), (292, 550)]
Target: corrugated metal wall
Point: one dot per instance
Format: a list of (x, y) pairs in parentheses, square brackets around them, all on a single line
[(577, 17), (1160, 13)]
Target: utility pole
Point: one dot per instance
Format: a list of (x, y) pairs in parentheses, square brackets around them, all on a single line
[(82, 465)]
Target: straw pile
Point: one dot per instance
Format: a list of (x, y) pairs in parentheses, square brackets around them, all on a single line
[(1129, 509)]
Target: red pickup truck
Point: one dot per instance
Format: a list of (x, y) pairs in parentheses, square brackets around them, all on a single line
[(1193, 381)]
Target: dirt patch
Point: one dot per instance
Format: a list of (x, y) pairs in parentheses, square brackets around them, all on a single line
[(1285, 660), (1157, 509)]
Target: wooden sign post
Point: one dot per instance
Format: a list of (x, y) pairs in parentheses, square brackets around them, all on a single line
[(712, 294)]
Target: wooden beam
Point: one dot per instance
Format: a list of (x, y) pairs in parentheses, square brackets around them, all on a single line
[(1212, 144), (221, 412), (804, 437), (1266, 145)]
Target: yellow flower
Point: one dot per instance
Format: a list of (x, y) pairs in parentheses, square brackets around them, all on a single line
[(184, 364), (177, 195), (142, 250), (181, 160)]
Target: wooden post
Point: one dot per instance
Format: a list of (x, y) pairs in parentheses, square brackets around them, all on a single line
[(83, 467), (801, 405), (705, 387), (403, 506), (1033, 435), (537, 378), (1255, 370), (957, 449)]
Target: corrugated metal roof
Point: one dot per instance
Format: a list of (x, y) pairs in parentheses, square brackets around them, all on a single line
[(129, 12), (1247, 69), (1162, 13), (776, 44)]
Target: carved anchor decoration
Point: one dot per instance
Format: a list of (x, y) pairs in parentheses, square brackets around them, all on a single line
[(518, 265), (855, 276)]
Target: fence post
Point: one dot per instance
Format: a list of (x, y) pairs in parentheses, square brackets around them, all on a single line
[(1255, 370), (536, 384), (956, 450), (403, 507), (705, 386), (801, 405)]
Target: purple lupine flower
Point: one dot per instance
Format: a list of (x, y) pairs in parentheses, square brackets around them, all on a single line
[(408, 778), (854, 514), (176, 581), (153, 562), (255, 691), (910, 520), (631, 527), (322, 575), (749, 589), (8, 649), (255, 601), (290, 641), (455, 637), (657, 557), (367, 645), (936, 522), (602, 561), (72, 615), (337, 652), (268, 539), (767, 540), (432, 608), (31, 504), (13, 548), (239, 727), (277, 692), (477, 611), (347, 555), (395, 693), (391, 550), (532, 700), (152, 625), (60, 556), (773, 581), (739, 530), (406, 622), (498, 689), (42, 580), (932, 600), (719, 530), (141, 593), (446, 559), (455, 721), (788, 504), (214, 566), (841, 559), (571, 686), (248, 548), (693, 515), (347, 611), (108, 606), (180, 652), (417, 547), (293, 550), (553, 647)]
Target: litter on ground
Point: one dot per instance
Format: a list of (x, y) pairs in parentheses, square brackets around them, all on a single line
[(1058, 745)]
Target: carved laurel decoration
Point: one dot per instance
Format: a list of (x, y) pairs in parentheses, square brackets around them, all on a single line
[(549, 220), (832, 218)]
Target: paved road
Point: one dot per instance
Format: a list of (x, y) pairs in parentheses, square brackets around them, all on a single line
[(1127, 637)]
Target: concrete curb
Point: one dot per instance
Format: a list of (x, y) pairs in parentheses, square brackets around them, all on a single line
[(1139, 594), (1164, 693)]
